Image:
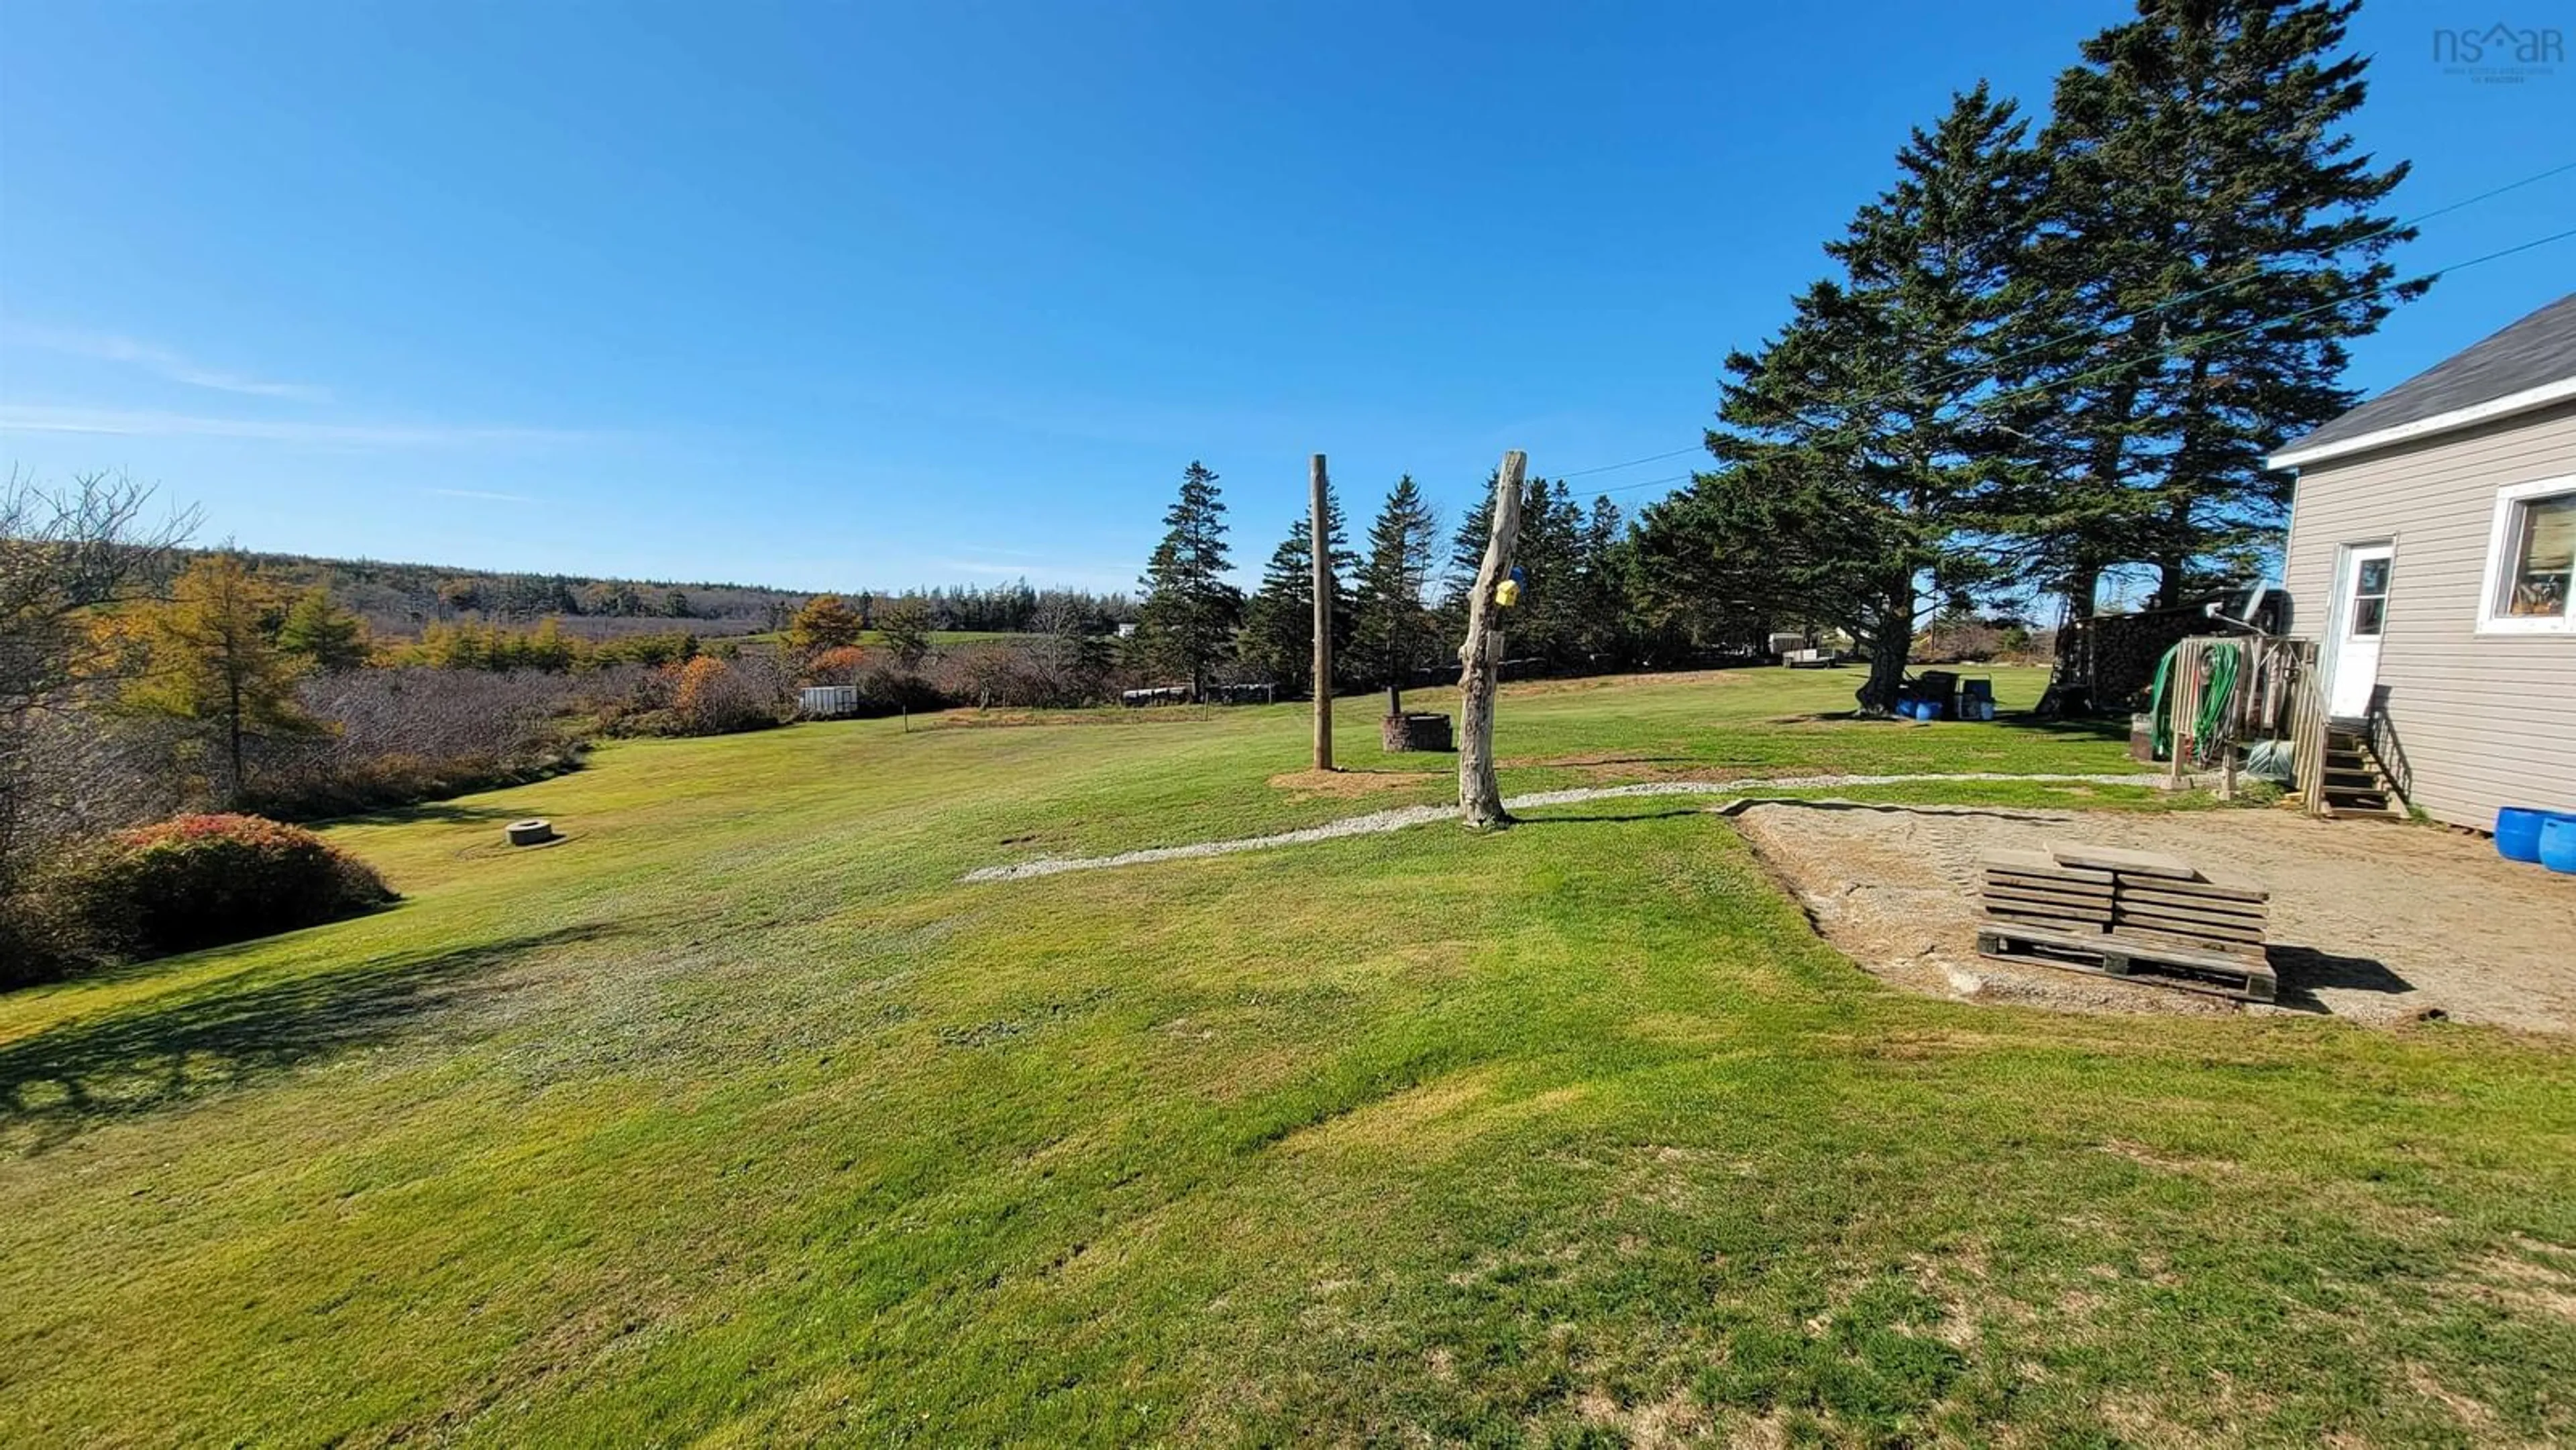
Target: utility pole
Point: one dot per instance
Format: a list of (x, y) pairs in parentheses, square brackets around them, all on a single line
[(1480, 794), (1321, 538)]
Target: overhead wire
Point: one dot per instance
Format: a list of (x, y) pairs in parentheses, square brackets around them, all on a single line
[(2176, 348)]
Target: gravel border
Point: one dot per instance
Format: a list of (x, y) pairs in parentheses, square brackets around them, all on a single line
[(1381, 822)]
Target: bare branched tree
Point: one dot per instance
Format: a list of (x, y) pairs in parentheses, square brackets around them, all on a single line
[(65, 554)]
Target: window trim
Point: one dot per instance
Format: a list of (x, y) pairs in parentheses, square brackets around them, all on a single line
[(2508, 502)]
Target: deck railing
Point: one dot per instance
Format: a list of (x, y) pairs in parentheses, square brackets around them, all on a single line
[(2307, 731), (2388, 750), (2277, 697)]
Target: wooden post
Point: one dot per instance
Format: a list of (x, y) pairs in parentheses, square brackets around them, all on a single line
[(1321, 540), (1480, 795)]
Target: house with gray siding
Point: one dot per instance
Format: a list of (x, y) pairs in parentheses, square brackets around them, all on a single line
[(2432, 555)]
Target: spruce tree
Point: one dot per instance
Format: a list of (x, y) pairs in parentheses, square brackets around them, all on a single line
[(1548, 622), (1278, 636), (1467, 549), (1857, 474), (1602, 635), (2209, 234), (1189, 610), (1393, 631), (322, 632)]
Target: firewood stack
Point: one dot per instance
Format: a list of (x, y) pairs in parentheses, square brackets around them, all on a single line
[(2143, 899)]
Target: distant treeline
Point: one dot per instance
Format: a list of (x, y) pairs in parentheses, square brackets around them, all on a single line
[(404, 600)]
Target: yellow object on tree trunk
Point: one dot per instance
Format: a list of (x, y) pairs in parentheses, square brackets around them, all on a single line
[(1508, 593)]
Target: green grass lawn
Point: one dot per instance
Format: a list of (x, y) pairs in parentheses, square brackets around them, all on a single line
[(735, 1118)]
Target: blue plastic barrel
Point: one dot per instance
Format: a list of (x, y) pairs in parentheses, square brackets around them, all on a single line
[(2517, 831), (2558, 843)]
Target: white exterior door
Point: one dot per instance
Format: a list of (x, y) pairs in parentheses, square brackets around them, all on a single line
[(2361, 617)]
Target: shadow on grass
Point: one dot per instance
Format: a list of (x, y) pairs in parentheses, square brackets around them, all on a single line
[(1578, 762), (67, 1079), (2302, 971), (2092, 729), (447, 813), (1612, 819), (2081, 729), (2048, 817)]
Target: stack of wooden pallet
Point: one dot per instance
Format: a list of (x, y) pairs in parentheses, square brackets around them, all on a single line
[(2122, 913)]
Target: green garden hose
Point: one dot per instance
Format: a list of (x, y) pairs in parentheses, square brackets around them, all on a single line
[(2226, 662)]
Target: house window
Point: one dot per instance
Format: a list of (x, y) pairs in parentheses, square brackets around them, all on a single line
[(2370, 598), (2531, 560)]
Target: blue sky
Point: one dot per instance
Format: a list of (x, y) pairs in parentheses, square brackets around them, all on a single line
[(839, 295)]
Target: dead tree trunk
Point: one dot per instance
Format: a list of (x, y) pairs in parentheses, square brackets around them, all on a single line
[(1480, 794)]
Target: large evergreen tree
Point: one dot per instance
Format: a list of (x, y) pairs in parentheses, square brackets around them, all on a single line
[(1393, 632), (1603, 628), (1858, 472), (1278, 636), (1548, 624), (2209, 247), (1189, 611)]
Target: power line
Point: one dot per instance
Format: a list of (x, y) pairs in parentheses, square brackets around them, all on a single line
[(2133, 317), (2175, 349), (1630, 487), (2259, 270), (1633, 462), (2193, 344)]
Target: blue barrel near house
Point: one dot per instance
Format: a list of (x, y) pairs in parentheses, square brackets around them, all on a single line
[(2517, 831), (2558, 843)]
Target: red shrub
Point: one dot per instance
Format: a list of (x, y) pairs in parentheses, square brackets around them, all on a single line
[(841, 666)]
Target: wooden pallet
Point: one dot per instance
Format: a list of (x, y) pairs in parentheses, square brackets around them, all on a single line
[(2131, 958), (2155, 897)]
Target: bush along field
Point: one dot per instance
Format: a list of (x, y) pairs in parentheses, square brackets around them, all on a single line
[(738, 1115)]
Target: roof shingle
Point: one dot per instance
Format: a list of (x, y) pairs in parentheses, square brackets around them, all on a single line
[(2536, 351)]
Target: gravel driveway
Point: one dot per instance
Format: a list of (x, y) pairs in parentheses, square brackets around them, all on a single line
[(2378, 922)]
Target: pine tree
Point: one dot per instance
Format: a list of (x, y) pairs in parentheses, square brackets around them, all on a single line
[(1602, 633), (1467, 550), (1393, 628), (210, 662), (318, 630), (1190, 611), (906, 626), (1856, 477), (2209, 234), (1549, 622), (1278, 636)]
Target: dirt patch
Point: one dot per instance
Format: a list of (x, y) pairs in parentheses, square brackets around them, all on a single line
[(1676, 1419), (1349, 784), (2381, 923)]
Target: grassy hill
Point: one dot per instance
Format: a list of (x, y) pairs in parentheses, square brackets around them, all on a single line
[(736, 1116), (398, 599)]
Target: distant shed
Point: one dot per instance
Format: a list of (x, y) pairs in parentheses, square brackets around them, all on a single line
[(825, 702)]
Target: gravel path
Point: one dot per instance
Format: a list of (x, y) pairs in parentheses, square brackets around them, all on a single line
[(1380, 822)]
